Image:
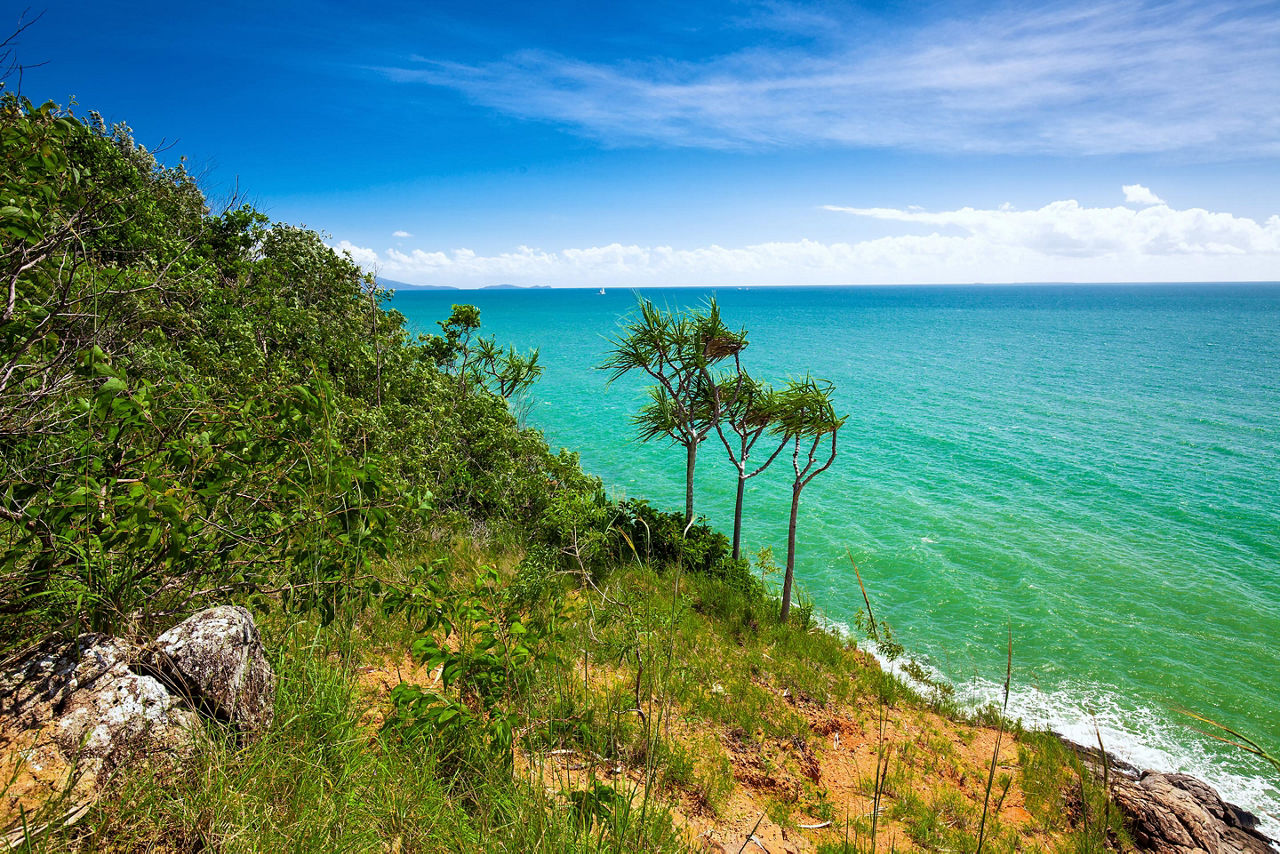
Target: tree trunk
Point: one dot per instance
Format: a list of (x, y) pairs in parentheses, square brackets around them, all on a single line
[(791, 552), (737, 518), (688, 482)]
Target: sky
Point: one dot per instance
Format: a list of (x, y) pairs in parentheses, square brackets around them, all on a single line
[(686, 143)]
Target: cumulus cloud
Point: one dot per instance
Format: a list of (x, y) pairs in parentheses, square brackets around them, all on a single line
[(1080, 77), (401, 234), (1139, 195), (1066, 229), (366, 258), (1061, 241)]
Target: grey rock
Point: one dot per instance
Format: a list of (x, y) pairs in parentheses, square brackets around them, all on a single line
[(216, 660), (1179, 814), (71, 712)]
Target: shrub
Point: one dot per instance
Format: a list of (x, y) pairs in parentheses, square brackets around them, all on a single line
[(200, 404)]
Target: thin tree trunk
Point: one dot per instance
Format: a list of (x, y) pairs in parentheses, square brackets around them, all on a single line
[(791, 552), (377, 343), (688, 482), (737, 517)]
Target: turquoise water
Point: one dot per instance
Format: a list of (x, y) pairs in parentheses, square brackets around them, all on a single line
[(1093, 467)]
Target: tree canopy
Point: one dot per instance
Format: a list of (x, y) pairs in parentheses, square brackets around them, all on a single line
[(201, 405), (674, 348)]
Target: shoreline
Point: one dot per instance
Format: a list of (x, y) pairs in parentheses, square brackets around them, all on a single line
[(1127, 789), (1131, 750)]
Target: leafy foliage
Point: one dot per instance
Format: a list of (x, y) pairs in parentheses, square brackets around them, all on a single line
[(662, 540), (200, 405), (484, 653), (480, 361)]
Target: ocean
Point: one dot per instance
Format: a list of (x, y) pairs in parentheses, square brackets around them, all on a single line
[(1094, 468)]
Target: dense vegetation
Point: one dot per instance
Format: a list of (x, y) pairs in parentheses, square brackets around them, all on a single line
[(200, 406), (197, 405)]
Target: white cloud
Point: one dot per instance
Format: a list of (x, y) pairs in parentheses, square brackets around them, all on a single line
[(401, 234), (1083, 77), (1065, 229), (366, 258), (1061, 241), (1137, 194)]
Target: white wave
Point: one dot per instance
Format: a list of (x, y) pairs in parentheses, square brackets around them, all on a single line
[(1143, 737)]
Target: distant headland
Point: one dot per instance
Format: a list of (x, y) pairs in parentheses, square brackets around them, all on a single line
[(391, 284)]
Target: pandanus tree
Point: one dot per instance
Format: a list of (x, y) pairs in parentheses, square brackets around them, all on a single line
[(675, 348), (480, 360), (506, 372), (742, 410), (807, 420)]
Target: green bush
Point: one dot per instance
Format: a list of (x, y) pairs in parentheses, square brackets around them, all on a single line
[(204, 406), (659, 538)]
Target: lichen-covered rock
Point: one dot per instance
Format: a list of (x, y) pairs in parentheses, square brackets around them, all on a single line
[(216, 659), (72, 712), (1179, 814)]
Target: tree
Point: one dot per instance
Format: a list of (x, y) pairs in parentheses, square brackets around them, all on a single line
[(805, 416), (675, 348), (504, 372), (452, 351), (748, 409), (200, 406)]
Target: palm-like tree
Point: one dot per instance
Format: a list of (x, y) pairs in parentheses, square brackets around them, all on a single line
[(506, 372), (746, 409), (675, 348), (805, 418)]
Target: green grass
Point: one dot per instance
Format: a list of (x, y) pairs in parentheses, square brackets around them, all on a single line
[(318, 781), (712, 669)]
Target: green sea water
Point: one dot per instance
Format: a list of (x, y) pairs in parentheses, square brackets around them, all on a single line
[(1095, 468)]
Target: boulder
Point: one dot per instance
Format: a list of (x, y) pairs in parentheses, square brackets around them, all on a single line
[(215, 660), (1179, 814), (70, 713)]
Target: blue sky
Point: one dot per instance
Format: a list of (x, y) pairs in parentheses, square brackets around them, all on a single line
[(714, 143)]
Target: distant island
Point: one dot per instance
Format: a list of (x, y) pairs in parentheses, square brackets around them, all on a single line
[(391, 284)]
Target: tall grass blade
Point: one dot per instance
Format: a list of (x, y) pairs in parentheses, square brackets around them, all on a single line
[(1244, 743), (995, 757), (871, 618)]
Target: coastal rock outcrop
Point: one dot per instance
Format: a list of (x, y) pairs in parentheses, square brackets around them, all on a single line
[(1179, 814), (72, 712), (216, 661)]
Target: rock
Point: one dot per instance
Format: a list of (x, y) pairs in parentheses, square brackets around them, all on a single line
[(70, 714), (1179, 814), (216, 660)]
